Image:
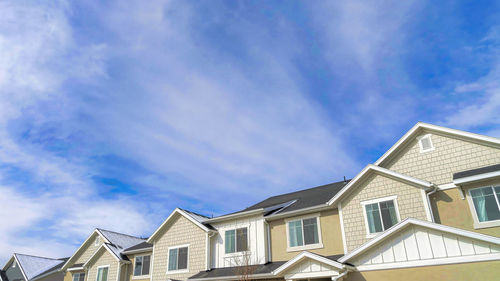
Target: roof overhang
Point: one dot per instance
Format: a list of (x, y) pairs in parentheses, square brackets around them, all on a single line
[(236, 215), (419, 127), (298, 212), (411, 221), (170, 217), (475, 175), (143, 250), (82, 246), (372, 169), (307, 255), (235, 277)]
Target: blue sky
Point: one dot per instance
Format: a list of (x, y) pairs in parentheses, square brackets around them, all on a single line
[(112, 114)]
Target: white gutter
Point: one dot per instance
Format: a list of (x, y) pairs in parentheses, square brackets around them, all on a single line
[(143, 250), (234, 277), (429, 200), (340, 276)]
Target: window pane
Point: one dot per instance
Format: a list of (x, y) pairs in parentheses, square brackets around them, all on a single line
[(104, 274), (485, 204), (388, 212), (138, 266), (242, 241), (145, 265), (497, 192), (76, 277), (82, 277), (172, 259), (295, 231), (183, 258), (310, 231), (230, 241), (373, 216)]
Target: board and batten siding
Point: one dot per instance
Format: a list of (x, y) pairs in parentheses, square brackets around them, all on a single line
[(103, 258), (409, 200), (180, 231), (450, 155), (256, 242), (417, 244)]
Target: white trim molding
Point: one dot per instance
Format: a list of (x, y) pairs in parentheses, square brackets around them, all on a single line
[(176, 271), (392, 198), (472, 207), (318, 245), (382, 171), (475, 178), (300, 257), (97, 272), (422, 149), (182, 213), (82, 246), (424, 127), (341, 218)]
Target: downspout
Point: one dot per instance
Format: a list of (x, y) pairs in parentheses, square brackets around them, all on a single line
[(268, 244), (209, 248), (429, 200)]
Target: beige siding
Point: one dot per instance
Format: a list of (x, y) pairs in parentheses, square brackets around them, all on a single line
[(180, 231), (454, 272), (450, 209), (450, 156), (103, 258), (330, 233), (88, 250), (410, 204)]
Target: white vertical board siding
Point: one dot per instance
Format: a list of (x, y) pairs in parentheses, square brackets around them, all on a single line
[(416, 243), (256, 241)]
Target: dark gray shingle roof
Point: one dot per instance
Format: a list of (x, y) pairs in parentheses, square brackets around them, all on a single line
[(473, 172), (143, 245)]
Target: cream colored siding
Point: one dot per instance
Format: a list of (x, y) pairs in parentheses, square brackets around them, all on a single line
[(449, 156), (103, 258), (89, 250), (180, 231), (409, 201)]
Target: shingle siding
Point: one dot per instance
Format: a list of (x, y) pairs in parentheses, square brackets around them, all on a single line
[(103, 258), (410, 204), (181, 231), (449, 156), (89, 250)]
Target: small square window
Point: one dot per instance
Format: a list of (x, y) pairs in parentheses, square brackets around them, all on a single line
[(425, 143), (236, 240)]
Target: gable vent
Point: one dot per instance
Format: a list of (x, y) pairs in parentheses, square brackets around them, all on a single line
[(425, 143)]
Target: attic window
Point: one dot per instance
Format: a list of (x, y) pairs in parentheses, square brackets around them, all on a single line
[(97, 240), (14, 264), (425, 143)]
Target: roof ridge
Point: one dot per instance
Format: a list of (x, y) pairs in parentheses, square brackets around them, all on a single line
[(319, 186), (115, 232), (40, 257), (194, 213)]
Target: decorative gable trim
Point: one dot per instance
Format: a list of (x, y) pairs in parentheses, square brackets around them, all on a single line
[(170, 217), (420, 126), (302, 256), (368, 170), (433, 226), (105, 247), (82, 247)]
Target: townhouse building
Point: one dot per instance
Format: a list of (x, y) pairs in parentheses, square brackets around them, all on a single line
[(427, 209)]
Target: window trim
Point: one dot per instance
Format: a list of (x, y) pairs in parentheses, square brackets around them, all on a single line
[(185, 270), (472, 207), (78, 273), (318, 245), (143, 275), (422, 150), (394, 198), (97, 271), (235, 253)]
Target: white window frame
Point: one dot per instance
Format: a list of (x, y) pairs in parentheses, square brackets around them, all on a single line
[(144, 275), (187, 263), (477, 223), (236, 253), (422, 150), (394, 198), (97, 241), (318, 245), (74, 274), (97, 271)]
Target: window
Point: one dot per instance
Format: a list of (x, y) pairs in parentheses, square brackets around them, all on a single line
[(178, 258), (102, 273), (303, 232), (486, 202), (425, 143), (97, 241), (79, 277), (141, 265), (236, 240), (380, 214)]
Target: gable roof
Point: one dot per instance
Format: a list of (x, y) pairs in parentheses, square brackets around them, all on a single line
[(116, 242), (370, 169), (411, 221), (35, 266), (197, 219), (290, 202), (332, 261), (424, 127), (110, 249)]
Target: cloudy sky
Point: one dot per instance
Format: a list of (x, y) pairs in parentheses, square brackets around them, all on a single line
[(113, 113)]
